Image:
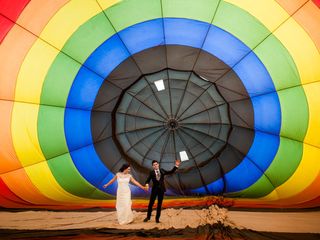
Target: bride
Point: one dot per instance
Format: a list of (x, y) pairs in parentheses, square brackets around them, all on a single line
[(123, 202)]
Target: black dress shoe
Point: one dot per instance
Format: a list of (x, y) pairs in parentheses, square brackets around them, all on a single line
[(157, 221), (146, 219)]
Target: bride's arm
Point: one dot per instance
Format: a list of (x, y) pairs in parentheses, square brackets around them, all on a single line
[(110, 182), (135, 182)]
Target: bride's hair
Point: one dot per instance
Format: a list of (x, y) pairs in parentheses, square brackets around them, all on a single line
[(124, 167)]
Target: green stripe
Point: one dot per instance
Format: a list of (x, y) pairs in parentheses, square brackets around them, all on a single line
[(289, 155), (70, 179), (282, 167), (240, 24), (129, 12), (86, 39), (284, 74), (295, 113), (54, 147), (202, 10), (55, 92), (59, 80), (75, 52), (279, 63), (51, 131)]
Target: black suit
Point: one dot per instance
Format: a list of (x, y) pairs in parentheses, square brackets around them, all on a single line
[(158, 189)]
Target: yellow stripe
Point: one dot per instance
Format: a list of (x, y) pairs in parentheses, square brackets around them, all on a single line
[(24, 133), (28, 89), (290, 33), (40, 57), (41, 176), (26, 143), (307, 59), (312, 91), (33, 71), (67, 20), (302, 49), (261, 10), (104, 4), (306, 173)]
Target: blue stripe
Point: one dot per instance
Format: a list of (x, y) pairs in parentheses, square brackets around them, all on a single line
[(242, 176), (77, 128), (84, 89), (267, 113), (225, 46), (87, 162), (146, 35), (254, 75), (185, 32), (182, 32), (107, 56), (263, 149)]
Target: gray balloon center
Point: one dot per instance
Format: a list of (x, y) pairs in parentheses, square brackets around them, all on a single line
[(189, 115)]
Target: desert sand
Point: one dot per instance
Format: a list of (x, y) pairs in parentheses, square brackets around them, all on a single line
[(293, 222)]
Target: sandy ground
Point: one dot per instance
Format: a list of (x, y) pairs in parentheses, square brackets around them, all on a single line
[(294, 222)]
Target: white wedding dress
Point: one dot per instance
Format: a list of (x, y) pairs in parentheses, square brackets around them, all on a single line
[(123, 203)]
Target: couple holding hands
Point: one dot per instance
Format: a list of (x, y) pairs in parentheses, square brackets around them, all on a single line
[(123, 202)]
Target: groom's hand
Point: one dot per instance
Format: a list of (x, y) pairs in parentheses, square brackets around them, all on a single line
[(178, 163)]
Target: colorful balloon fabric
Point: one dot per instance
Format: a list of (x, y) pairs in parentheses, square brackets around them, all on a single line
[(87, 86)]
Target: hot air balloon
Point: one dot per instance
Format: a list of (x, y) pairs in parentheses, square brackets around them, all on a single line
[(230, 87)]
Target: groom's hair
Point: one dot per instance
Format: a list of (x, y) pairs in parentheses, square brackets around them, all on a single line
[(154, 161)]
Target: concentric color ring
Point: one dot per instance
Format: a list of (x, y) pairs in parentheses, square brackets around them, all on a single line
[(49, 148), (83, 81)]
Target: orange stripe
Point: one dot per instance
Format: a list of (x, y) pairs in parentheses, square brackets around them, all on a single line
[(8, 198), (292, 5), (309, 18), (8, 158), (308, 194), (13, 50), (20, 184), (18, 42), (38, 13)]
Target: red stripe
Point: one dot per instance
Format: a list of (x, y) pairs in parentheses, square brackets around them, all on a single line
[(317, 2), (6, 193), (10, 10), (5, 26)]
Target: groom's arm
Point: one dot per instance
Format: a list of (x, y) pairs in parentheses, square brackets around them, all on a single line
[(165, 172), (149, 178), (173, 169)]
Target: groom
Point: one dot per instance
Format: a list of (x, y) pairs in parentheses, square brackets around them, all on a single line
[(158, 187)]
